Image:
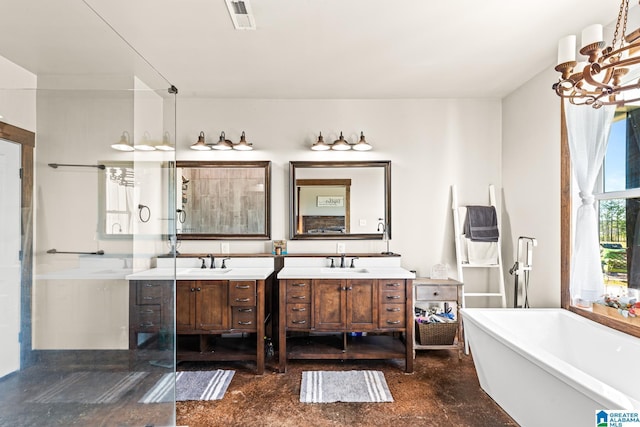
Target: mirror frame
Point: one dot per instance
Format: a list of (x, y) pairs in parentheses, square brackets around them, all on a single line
[(293, 165), (266, 165)]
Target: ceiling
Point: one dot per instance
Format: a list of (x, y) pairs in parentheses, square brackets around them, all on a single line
[(302, 48)]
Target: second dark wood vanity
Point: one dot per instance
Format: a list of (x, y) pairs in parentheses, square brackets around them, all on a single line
[(345, 318)]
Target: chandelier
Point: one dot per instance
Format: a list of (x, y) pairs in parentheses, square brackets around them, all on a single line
[(598, 80)]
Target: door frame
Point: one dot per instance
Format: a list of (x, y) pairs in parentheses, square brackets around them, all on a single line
[(27, 141)]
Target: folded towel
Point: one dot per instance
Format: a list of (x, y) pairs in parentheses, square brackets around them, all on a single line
[(481, 224)]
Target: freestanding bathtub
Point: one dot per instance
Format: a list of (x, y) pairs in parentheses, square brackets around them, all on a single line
[(551, 366)]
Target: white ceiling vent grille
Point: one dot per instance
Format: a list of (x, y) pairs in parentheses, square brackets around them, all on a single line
[(240, 12)]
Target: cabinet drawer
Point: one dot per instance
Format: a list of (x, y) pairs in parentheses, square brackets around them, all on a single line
[(243, 318), (298, 291), (436, 293), (392, 297), (149, 292), (391, 318), (242, 293), (298, 316)]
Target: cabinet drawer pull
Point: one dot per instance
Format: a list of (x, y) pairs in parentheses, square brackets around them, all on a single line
[(299, 284), (393, 322), (393, 296), (147, 325), (151, 285), (298, 322), (147, 298), (242, 286), (245, 310), (395, 285), (244, 323), (347, 288), (298, 296), (394, 309), (242, 299), (298, 309), (146, 312)]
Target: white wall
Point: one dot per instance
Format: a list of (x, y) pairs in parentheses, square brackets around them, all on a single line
[(531, 181), (17, 95), (432, 144)]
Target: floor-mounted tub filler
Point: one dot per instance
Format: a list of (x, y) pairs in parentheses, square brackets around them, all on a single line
[(552, 366)]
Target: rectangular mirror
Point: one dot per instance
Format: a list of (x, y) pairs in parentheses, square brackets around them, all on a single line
[(223, 200), (340, 200)]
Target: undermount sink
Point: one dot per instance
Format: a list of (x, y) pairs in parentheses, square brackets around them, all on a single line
[(347, 270), (207, 271)]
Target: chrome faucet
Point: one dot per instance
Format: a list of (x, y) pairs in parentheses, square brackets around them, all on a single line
[(212, 260), (382, 226)]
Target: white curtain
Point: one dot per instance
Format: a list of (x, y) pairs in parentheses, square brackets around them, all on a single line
[(588, 132)]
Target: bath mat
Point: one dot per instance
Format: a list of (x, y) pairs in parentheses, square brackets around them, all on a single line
[(344, 386), (89, 387), (189, 385)]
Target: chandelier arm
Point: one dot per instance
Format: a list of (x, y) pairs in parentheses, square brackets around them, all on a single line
[(586, 75)]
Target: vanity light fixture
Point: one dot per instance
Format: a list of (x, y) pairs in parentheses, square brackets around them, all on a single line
[(320, 145), (222, 144), (598, 80), (166, 143), (123, 144), (145, 144), (340, 144), (200, 145), (243, 145), (362, 145)]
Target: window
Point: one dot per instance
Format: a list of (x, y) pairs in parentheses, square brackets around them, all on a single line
[(619, 205)]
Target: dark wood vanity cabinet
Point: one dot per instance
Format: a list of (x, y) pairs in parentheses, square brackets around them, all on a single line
[(150, 312), (345, 304), (221, 320), (345, 319)]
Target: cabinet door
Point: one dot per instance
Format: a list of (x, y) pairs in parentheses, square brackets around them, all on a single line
[(185, 305), (329, 304), (212, 306), (362, 305)]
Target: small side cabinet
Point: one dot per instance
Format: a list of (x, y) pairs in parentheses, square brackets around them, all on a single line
[(429, 292)]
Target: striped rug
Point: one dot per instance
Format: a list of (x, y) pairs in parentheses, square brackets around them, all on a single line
[(89, 387), (344, 386), (189, 385)]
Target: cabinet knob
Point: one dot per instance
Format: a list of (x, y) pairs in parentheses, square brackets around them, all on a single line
[(198, 289), (192, 289), (436, 293)]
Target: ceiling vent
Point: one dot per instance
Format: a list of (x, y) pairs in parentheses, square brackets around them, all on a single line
[(240, 12)]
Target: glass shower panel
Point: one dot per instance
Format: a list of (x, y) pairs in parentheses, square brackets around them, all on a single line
[(95, 347)]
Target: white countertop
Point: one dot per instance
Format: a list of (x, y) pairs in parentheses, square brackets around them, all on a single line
[(233, 273), (345, 273)]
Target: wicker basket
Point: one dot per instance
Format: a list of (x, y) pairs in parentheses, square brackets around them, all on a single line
[(436, 333)]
